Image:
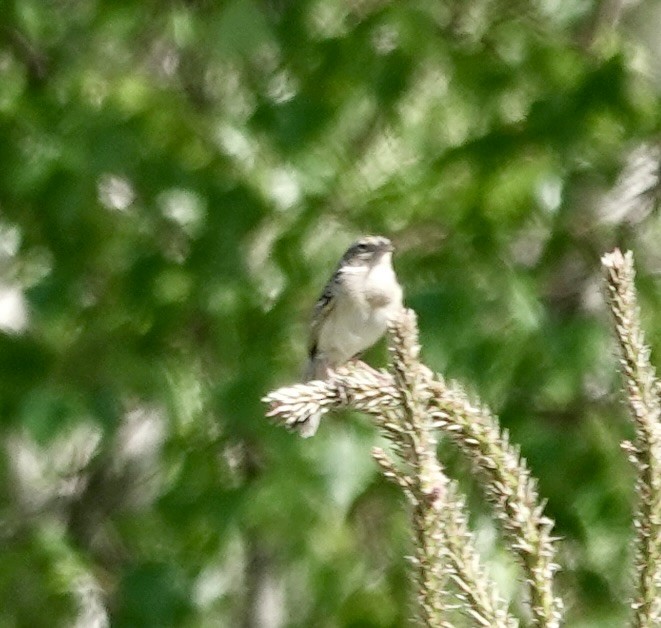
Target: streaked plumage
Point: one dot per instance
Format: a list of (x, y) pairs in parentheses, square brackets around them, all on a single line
[(352, 311)]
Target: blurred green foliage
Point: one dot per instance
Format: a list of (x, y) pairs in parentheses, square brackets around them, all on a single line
[(177, 180)]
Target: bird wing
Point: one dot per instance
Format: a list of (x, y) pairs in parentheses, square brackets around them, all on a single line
[(322, 309)]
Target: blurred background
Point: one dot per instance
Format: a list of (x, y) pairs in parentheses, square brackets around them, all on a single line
[(177, 182)]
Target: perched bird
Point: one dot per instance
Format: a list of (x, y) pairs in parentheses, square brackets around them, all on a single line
[(352, 311)]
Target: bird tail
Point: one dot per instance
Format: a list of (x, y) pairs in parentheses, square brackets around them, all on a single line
[(309, 426), (316, 368)]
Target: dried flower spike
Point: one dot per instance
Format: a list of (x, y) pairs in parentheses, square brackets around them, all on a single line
[(642, 390)]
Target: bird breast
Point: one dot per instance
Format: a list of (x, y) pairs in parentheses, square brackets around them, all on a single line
[(381, 288), (367, 298)]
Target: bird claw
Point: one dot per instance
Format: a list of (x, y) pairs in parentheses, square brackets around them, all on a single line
[(339, 387)]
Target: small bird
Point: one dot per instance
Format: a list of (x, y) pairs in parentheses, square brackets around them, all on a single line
[(353, 311)]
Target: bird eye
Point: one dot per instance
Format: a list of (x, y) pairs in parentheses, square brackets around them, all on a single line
[(362, 247)]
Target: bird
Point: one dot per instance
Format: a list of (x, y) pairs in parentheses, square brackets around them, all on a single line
[(352, 312)]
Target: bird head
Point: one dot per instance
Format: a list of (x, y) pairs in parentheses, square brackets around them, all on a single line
[(367, 251)]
